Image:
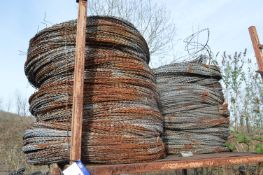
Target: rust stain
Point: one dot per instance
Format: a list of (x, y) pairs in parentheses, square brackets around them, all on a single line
[(174, 163)]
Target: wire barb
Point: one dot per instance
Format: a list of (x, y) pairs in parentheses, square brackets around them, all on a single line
[(192, 103), (121, 123)]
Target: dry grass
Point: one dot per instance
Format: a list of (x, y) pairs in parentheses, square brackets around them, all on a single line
[(12, 128)]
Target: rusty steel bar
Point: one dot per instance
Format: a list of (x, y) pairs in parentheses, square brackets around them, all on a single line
[(175, 163), (257, 48), (78, 85)]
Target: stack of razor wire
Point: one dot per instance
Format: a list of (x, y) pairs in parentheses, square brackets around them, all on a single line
[(192, 103), (121, 123)]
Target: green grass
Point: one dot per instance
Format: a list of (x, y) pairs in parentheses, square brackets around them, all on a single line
[(242, 141)]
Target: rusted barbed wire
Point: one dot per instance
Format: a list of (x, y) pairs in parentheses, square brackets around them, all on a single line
[(196, 46), (192, 102), (52, 43), (122, 122)]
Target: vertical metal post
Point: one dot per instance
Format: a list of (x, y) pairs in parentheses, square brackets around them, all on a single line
[(184, 171), (259, 170), (195, 171), (77, 109), (257, 48), (54, 169)]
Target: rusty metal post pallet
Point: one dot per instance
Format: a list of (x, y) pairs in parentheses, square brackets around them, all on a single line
[(257, 48), (177, 163), (54, 169), (78, 88), (173, 163), (170, 162)]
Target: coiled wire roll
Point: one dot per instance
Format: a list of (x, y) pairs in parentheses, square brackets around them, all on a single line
[(196, 117), (57, 41), (121, 123)]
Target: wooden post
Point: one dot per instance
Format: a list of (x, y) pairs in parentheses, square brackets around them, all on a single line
[(257, 48), (77, 109)]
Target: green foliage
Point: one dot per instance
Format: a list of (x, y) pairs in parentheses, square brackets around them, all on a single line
[(231, 146), (258, 138), (243, 138), (243, 90), (242, 141), (259, 148)]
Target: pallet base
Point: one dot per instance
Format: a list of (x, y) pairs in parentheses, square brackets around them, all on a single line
[(175, 163)]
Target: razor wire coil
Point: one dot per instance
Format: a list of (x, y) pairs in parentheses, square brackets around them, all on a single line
[(121, 123), (195, 116)]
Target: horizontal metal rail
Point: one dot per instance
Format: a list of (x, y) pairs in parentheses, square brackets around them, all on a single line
[(175, 163)]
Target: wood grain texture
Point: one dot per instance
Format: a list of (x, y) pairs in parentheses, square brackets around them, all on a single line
[(77, 109)]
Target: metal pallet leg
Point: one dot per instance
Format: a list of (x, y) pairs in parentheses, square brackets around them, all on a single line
[(184, 171), (54, 169)]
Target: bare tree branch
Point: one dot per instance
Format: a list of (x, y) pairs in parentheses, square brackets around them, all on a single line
[(21, 105), (1, 102), (8, 105), (150, 19)]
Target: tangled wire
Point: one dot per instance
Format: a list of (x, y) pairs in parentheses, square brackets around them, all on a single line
[(196, 45), (192, 102), (121, 123)]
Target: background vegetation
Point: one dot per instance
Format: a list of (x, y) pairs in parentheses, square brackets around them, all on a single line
[(12, 127), (243, 87)]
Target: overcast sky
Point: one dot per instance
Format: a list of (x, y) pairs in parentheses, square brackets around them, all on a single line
[(227, 20)]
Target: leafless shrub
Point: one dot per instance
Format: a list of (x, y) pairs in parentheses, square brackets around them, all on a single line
[(21, 104), (151, 19), (8, 105)]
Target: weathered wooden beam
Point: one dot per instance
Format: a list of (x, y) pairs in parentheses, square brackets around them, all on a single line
[(78, 88), (257, 48)]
